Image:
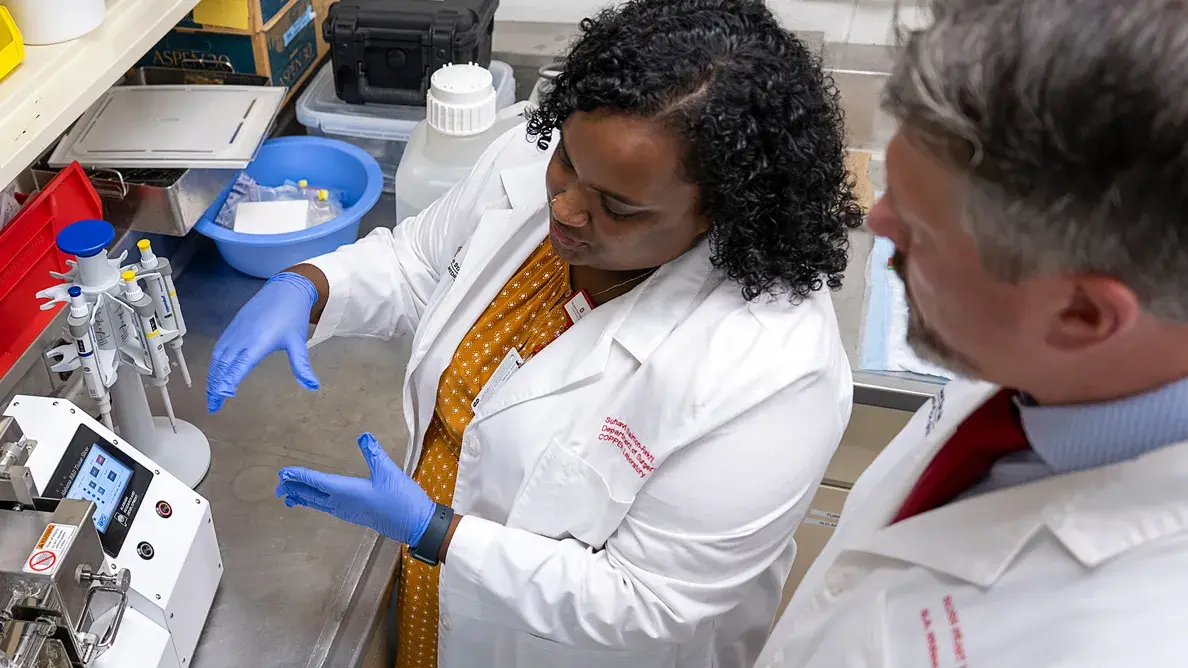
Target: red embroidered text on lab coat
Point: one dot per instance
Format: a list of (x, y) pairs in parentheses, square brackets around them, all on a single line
[(614, 431)]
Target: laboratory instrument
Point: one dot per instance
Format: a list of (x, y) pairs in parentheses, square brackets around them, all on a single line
[(383, 51), (461, 122), (123, 335), (86, 519)]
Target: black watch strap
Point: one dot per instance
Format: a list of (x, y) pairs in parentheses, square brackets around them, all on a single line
[(435, 534)]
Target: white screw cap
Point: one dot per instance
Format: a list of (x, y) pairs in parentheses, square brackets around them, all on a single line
[(461, 100)]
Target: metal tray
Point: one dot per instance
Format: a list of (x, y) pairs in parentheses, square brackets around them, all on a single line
[(162, 201)]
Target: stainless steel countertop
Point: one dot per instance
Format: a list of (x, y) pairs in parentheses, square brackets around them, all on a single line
[(300, 588)]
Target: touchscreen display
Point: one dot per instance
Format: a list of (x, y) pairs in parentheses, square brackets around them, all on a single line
[(101, 480)]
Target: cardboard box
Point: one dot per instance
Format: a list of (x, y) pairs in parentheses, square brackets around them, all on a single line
[(816, 530), (246, 15), (285, 53), (871, 428)]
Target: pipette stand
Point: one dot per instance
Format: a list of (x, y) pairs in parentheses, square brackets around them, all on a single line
[(120, 334), (185, 454)]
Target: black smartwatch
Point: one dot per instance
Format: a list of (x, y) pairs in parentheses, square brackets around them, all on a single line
[(435, 534)]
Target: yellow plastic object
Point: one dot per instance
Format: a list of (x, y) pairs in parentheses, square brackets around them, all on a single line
[(128, 275), (143, 244), (12, 45), (226, 13)]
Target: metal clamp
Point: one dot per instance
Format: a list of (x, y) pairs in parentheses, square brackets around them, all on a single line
[(117, 583), (104, 191), (16, 480)]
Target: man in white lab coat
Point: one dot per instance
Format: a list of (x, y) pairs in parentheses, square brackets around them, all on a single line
[(1037, 195)]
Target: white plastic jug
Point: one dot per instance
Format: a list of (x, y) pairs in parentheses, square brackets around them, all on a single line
[(461, 122)]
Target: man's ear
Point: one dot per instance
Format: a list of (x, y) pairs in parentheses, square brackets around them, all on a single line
[(1096, 309)]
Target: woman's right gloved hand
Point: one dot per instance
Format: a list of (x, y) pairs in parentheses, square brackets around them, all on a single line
[(276, 318)]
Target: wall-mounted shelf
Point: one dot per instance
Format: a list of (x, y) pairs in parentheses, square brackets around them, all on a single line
[(57, 83)]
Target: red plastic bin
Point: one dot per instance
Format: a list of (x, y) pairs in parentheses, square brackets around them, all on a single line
[(29, 252)]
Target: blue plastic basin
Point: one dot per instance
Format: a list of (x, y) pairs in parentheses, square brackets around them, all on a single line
[(325, 163)]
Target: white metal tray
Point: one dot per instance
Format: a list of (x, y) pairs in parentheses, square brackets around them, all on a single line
[(208, 127)]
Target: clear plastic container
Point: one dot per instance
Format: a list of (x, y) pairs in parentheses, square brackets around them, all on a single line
[(381, 130)]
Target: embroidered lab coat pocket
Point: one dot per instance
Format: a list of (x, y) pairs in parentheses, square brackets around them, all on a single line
[(565, 496), (535, 652)]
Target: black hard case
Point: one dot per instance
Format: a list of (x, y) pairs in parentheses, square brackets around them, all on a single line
[(385, 50)]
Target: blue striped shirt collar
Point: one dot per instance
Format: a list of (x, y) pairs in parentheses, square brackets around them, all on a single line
[(1084, 436)]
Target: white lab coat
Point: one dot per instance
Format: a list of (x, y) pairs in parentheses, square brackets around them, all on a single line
[(631, 492), (1082, 570)]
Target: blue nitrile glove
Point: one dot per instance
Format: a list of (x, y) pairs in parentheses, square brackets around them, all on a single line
[(389, 501), (276, 318)]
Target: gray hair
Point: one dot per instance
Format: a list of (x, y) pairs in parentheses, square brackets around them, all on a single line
[(1069, 120)]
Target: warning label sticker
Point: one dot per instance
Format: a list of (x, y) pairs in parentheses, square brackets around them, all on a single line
[(51, 548)]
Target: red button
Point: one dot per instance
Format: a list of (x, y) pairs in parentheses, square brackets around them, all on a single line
[(164, 509)]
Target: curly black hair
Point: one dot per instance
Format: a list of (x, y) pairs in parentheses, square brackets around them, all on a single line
[(760, 119)]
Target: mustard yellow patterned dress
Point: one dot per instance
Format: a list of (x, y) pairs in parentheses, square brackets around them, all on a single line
[(528, 314)]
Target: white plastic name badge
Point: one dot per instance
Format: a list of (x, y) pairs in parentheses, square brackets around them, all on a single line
[(511, 362)]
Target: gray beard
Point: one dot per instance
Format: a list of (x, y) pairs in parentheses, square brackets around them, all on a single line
[(924, 340), (929, 346)]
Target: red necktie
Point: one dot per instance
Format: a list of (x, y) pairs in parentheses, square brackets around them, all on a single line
[(986, 435)]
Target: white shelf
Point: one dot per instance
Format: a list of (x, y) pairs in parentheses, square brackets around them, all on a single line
[(56, 84)]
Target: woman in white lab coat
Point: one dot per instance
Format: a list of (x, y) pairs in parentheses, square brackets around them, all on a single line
[(626, 375)]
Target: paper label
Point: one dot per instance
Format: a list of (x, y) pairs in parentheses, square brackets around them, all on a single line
[(578, 307), (455, 267), (511, 362), (824, 514), (51, 549), (298, 26), (820, 522)]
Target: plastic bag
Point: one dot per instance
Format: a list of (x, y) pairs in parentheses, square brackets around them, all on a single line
[(241, 191), (325, 204)]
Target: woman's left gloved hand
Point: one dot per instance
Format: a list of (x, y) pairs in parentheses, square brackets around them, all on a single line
[(389, 501)]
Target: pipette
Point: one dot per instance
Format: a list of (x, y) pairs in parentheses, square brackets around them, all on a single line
[(164, 296), (151, 342), (79, 325)]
